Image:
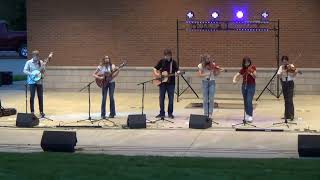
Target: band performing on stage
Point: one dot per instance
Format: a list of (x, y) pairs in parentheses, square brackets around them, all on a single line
[(164, 73)]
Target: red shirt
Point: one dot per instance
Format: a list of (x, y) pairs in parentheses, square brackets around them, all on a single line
[(247, 78)]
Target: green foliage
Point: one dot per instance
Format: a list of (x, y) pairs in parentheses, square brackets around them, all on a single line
[(19, 77), (14, 12)]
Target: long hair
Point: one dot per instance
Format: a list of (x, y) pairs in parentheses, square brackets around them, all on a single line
[(204, 59), (244, 60), (103, 63)]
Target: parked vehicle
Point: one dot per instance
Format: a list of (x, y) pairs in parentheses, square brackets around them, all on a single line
[(13, 40)]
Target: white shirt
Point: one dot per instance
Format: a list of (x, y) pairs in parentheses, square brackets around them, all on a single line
[(210, 75), (285, 76), (104, 69)]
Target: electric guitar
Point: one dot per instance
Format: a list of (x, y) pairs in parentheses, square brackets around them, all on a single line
[(36, 75), (108, 76)]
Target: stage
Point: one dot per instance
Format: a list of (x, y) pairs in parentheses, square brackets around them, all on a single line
[(163, 138)]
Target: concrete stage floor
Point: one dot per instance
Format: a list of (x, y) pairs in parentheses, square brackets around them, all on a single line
[(163, 138)]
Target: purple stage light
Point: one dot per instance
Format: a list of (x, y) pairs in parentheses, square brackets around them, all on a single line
[(239, 14)]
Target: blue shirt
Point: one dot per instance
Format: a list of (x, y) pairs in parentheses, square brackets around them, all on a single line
[(30, 66)]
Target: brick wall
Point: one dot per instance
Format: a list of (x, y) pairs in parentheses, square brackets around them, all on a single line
[(81, 32)]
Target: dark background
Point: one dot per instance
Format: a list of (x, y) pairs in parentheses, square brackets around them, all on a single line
[(14, 12)]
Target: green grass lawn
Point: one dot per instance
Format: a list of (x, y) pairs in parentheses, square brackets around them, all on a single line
[(62, 166), (19, 77)]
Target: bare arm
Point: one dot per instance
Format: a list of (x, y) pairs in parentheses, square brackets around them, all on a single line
[(155, 71), (96, 73), (236, 78), (116, 73)]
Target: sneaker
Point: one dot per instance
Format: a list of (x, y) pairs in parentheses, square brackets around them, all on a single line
[(171, 116), (160, 116), (103, 117), (111, 116), (246, 117), (42, 115), (250, 119)]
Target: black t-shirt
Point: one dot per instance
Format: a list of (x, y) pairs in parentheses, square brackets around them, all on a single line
[(164, 65)]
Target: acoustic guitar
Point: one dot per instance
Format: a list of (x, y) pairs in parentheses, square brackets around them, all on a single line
[(109, 76), (157, 80)]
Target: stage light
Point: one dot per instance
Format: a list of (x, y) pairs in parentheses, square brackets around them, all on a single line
[(265, 15), (215, 15), (190, 15), (239, 14)]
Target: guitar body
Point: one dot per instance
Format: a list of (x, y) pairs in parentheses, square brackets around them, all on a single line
[(104, 82), (157, 79), (108, 76)]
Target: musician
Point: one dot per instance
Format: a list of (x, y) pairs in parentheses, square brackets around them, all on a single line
[(248, 73), (171, 66), (106, 67), (287, 73), (208, 70), (31, 65)]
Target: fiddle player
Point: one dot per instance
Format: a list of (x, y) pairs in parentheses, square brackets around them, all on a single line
[(208, 70), (287, 73), (248, 72)]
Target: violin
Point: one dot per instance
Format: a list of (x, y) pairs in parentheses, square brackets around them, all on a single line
[(214, 67), (251, 69), (290, 68)]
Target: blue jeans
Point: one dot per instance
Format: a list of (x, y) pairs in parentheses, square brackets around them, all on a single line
[(248, 93), (169, 88), (111, 86), (208, 89)]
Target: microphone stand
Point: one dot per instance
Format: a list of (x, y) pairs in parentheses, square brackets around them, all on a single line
[(285, 122), (88, 86), (244, 122)]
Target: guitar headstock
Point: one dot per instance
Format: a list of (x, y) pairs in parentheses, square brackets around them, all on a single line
[(124, 63), (50, 55)]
